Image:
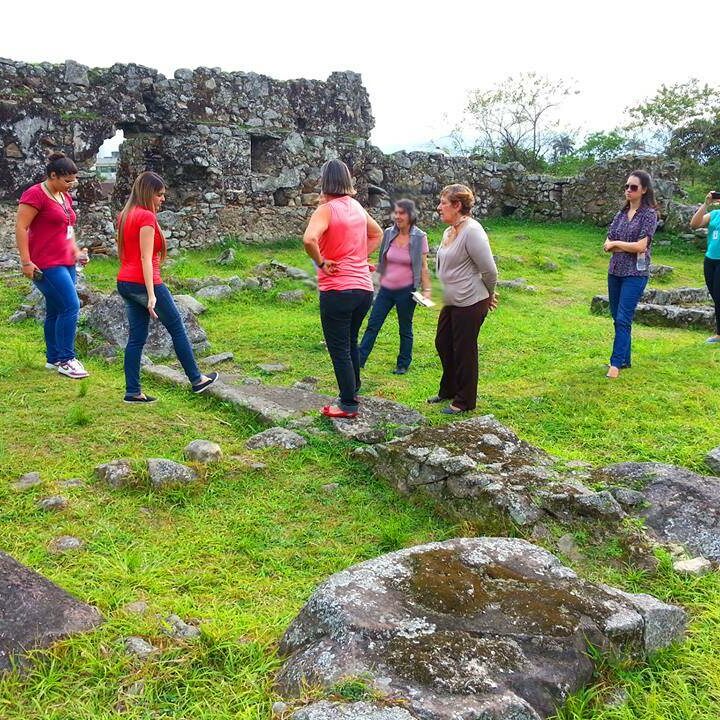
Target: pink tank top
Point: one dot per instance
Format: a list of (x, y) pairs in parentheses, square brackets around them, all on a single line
[(345, 242)]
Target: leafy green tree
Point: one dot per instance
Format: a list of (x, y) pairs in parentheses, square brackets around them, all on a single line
[(516, 119)]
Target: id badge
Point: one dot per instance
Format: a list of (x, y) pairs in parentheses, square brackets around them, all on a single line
[(70, 232)]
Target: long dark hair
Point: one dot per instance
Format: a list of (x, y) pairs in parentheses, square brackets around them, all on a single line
[(147, 184), (648, 197)]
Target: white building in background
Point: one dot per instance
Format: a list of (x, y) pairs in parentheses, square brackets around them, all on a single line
[(107, 166)]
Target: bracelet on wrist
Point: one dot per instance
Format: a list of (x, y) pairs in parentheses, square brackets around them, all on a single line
[(321, 264)]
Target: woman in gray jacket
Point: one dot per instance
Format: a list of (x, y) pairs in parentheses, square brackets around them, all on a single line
[(467, 271), (402, 267)]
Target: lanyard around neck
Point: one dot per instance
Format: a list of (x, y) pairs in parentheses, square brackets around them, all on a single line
[(65, 208)]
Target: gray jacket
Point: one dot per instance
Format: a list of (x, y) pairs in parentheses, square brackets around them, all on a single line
[(416, 251)]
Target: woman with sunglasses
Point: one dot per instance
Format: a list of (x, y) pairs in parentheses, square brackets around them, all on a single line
[(45, 236), (708, 215), (629, 239)]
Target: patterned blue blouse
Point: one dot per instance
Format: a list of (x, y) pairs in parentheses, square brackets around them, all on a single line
[(643, 224)]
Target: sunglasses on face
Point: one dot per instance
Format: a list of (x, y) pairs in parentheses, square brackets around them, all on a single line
[(632, 187)]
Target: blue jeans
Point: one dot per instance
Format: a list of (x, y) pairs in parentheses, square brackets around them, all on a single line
[(136, 299), (62, 307), (624, 294), (405, 306)]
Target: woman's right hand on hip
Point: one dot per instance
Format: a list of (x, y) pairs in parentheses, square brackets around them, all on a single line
[(28, 270), (151, 306)]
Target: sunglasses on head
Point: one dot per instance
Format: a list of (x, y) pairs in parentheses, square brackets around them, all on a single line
[(632, 187)]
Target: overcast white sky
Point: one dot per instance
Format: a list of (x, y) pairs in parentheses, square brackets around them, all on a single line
[(417, 61)]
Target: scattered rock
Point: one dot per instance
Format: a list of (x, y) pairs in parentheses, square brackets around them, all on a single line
[(116, 473), (18, 316), (272, 368), (550, 266), (258, 466), (696, 566), (65, 543), (276, 437), (325, 710), (26, 481), (279, 709), (628, 498), (712, 460), (252, 381), (72, 483), (36, 612), (492, 628), (216, 292), (164, 473), (212, 360), (292, 296), (203, 451), (227, 257), (658, 271), (54, 502), (569, 548), (180, 629), (330, 488), (139, 648), (189, 302), (137, 607)]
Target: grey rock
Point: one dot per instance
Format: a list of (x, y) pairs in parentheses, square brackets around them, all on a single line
[(18, 316), (54, 502), (712, 460), (212, 360), (682, 507), (279, 709), (72, 483), (276, 437), (695, 566), (164, 473), (569, 547), (215, 292), (252, 381), (180, 629), (116, 473), (297, 273), (628, 498), (227, 257), (139, 648), (325, 710), (660, 270), (27, 481), (330, 488), (203, 451), (272, 368), (36, 612), (292, 296), (65, 543), (493, 628), (76, 74), (137, 607), (189, 302)]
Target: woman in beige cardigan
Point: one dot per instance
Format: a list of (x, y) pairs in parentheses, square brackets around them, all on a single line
[(467, 271)]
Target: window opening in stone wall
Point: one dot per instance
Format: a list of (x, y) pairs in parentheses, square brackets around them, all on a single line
[(106, 162), (264, 152)]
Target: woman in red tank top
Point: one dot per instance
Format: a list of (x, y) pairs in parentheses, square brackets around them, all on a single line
[(339, 237)]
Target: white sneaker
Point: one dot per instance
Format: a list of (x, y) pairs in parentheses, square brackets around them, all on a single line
[(51, 366), (73, 369)]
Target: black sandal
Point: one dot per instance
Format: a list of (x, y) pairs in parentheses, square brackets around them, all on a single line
[(139, 399)]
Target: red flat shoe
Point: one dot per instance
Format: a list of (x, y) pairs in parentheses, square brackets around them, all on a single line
[(329, 411)]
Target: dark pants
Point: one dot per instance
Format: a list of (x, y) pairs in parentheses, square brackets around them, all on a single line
[(624, 294), (456, 344), (405, 306), (341, 314), (712, 280), (62, 307), (135, 296)]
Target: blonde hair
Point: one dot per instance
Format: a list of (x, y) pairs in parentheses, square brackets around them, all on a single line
[(459, 193), (147, 184)]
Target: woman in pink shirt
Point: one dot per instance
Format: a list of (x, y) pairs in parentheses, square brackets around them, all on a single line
[(45, 236), (339, 237), (403, 268)]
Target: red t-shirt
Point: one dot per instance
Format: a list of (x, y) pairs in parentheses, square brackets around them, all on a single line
[(345, 242), (130, 262), (48, 239)]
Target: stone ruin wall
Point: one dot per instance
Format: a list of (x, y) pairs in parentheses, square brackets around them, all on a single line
[(241, 153)]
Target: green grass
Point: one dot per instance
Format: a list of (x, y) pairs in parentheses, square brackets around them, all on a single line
[(242, 552)]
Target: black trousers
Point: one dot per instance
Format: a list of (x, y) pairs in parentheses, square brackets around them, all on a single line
[(456, 343), (342, 313), (712, 280)]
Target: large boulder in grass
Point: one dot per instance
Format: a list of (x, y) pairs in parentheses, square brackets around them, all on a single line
[(107, 317), (34, 612), (490, 628)]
